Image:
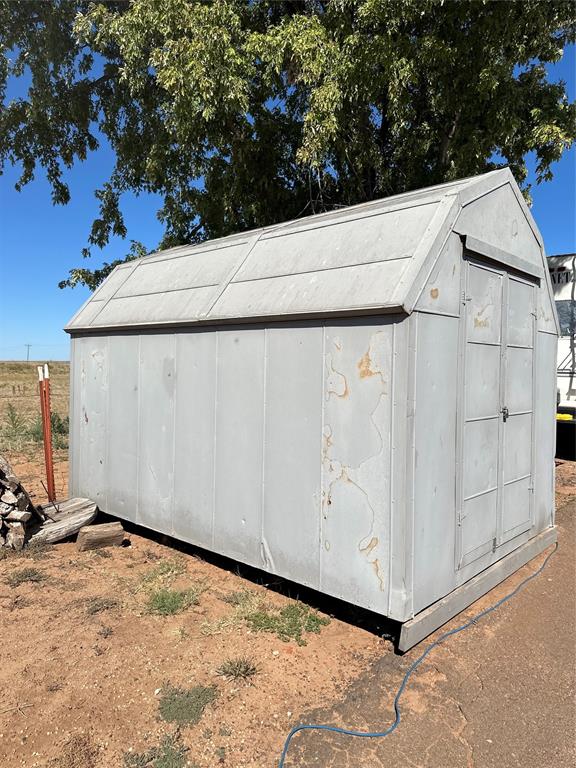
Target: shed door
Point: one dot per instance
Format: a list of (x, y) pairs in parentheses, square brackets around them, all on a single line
[(496, 426)]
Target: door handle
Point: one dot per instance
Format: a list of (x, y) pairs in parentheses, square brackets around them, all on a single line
[(505, 413)]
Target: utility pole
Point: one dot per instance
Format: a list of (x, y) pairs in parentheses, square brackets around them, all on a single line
[(27, 352)]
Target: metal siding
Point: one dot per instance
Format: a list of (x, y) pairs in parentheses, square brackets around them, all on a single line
[(545, 430), (356, 463), (156, 432), (194, 437), (435, 445), (401, 512), (239, 429), (498, 219), (441, 294), (74, 418), (122, 427), (92, 414), (292, 449)]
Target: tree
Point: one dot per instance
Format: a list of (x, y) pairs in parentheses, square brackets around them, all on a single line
[(242, 114)]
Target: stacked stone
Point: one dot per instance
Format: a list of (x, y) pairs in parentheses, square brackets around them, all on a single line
[(16, 509)]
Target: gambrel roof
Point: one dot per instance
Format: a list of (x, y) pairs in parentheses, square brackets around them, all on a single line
[(364, 259)]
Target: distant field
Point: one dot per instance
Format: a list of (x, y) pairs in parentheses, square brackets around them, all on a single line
[(21, 424)]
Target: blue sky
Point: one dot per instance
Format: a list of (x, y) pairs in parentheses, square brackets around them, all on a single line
[(40, 242)]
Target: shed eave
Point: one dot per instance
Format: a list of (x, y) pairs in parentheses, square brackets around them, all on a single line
[(366, 311)]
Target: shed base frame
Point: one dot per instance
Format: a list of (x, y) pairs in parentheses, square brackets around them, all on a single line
[(437, 614)]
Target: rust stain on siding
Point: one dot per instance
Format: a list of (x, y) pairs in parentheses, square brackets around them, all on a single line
[(364, 366), (434, 293), (370, 546)]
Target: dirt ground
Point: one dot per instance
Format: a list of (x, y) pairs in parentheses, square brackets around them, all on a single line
[(85, 665)]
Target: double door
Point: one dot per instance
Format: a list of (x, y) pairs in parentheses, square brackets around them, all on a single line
[(496, 425)]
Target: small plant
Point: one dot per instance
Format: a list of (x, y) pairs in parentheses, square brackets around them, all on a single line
[(185, 707), (237, 598), (170, 754), (166, 602), (96, 605), (105, 631), (15, 422), (166, 570), (32, 575), (240, 668), (59, 426), (288, 623), (102, 553)]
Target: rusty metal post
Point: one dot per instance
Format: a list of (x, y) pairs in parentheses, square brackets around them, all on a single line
[(44, 386)]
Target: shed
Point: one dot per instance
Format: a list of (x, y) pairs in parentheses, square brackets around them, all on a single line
[(361, 401)]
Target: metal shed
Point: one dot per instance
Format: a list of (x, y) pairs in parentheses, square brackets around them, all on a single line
[(361, 401)]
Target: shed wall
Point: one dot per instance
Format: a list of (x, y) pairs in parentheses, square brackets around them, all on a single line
[(272, 445)]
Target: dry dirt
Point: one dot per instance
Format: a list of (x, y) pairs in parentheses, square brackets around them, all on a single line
[(81, 689)]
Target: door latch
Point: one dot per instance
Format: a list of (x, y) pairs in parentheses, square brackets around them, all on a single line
[(505, 413)]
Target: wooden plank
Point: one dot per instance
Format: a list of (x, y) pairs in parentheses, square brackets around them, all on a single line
[(62, 509), (433, 617), (51, 532), (103, 535)]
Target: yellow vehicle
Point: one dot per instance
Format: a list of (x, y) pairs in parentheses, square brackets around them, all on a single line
[(563, 276)]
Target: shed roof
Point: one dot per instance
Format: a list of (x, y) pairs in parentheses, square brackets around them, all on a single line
[(366, 258)]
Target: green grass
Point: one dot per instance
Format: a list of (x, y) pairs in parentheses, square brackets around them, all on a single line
[(185, 706), (291, 622), (170, 754), (237, 668), (167, 602), (17, 429), (25, 575), (288, 623)]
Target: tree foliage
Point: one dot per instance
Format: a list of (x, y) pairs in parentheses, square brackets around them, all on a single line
[(243, 113)]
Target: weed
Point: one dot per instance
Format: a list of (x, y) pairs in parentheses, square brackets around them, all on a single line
[(288, 623), (78, 752), (236, 598), (96, 605), (221, 754), (150, 556), (170, 754), (35, 550), (185, 707), (245, 603), (60, 429), (166, 570), (15, 423), (182, 633), (166, 602), (223, 731), (101, 553), (104, 631), (32, 575), (238, 668)]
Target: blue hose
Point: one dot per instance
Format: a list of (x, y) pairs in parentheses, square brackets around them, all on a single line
[(412, 668)]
